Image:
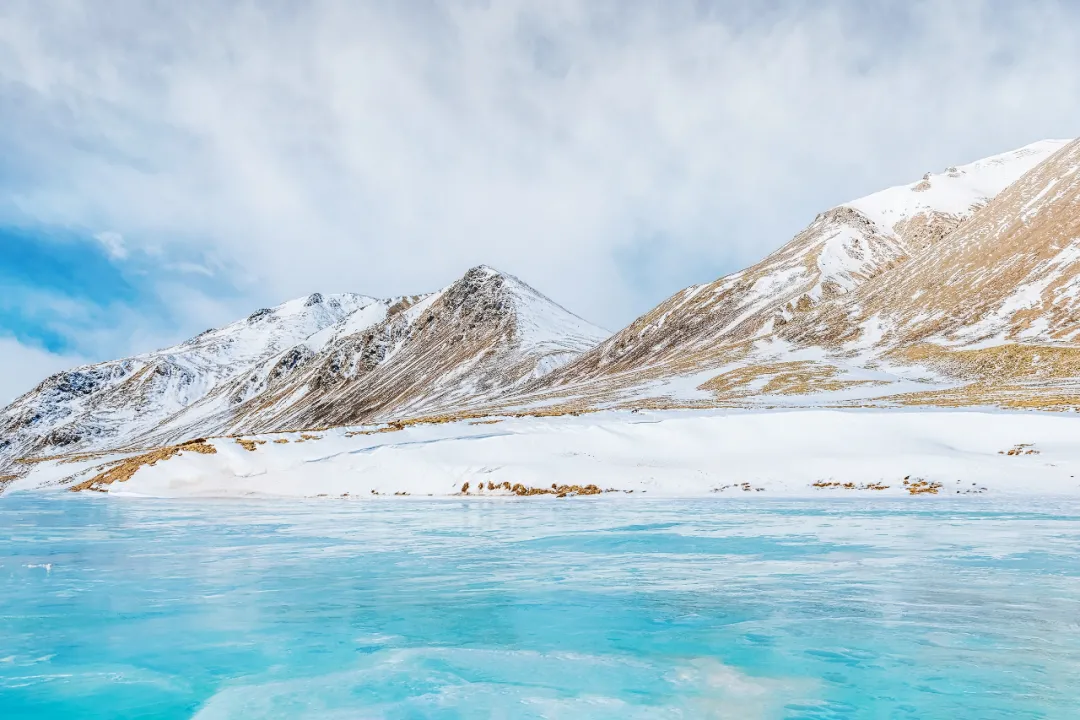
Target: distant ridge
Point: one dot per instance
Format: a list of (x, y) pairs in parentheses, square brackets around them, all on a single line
[(960, 288), (312, 361)]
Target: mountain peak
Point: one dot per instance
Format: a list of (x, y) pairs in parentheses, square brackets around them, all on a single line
[(482, 271), (538, 321), (955, 191)]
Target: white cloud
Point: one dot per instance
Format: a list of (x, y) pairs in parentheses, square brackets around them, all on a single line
[(113, 243), (606, 152), (26, 366), (191, 268)]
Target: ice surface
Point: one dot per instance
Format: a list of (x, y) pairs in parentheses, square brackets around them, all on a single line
[(599, 608)]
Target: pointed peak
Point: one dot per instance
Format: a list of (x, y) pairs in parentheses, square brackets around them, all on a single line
[(484, 279), (482, 271)]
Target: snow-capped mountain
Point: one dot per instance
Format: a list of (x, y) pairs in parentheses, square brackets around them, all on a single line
[(994, 307), (841, 250), (944, 290), (1008, 274), (960, 288), (309, 362), (472, 341), (111, 402)]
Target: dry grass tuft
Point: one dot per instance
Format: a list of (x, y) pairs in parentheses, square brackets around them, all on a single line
[(921, 487), (996, 364), (249, 445), (125, 469), (559, 491), (796, 377), (1020, 449), (821, 484), (79, 457)]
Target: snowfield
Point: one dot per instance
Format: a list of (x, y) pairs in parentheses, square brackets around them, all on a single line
[(650, 454)]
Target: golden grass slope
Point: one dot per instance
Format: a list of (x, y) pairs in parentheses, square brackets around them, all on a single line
[(988, 302)]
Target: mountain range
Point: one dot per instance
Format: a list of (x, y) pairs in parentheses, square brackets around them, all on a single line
[(960, 288)]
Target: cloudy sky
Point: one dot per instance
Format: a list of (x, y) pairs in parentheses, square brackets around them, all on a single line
[(169, 166)]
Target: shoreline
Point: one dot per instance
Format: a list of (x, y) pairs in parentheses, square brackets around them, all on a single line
[(785, 453)]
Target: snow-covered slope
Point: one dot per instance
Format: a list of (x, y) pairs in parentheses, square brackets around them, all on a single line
[(650, 454), (309, 362), (842, 249), (111, 403), (917, 212), (1010, 273), (470, 342), (834, 309)]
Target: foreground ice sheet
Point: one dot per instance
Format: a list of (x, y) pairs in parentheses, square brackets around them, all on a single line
[(598, 608)]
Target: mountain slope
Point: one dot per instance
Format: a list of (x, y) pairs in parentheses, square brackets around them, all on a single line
[(111, 402), (960, 288), (309, 362), (1009, 274), (480, 337), (995, 303), (842, 249)]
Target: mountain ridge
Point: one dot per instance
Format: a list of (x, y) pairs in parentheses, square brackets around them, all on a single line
[(960, 288), (310, 355)]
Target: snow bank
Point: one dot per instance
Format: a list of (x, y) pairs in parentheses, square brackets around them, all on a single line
[(762, 453)]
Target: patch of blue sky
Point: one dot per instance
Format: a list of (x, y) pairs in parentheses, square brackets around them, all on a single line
[(63, 289), (54, 283)]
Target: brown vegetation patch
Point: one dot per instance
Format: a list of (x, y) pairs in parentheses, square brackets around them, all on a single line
[(476, 418), (796, 377), (249, 445), (998, 363), (919, 486), (80, 457), (1015, 396), (521, 490), (123, 470), (376, 431), (822, 484), (1020, 449)]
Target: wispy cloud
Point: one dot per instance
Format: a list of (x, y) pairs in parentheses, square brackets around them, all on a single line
[(70, 293), (113, 242), (607, 152)]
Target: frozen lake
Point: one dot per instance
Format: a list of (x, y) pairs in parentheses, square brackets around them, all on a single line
[(580, 608)]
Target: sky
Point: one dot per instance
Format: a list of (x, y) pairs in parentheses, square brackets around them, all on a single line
[(167, 167)]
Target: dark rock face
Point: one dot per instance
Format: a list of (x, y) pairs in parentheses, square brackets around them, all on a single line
[(291, 360), (63, 436), (77, 382), (259, 314), (478, 298), (314, 299)]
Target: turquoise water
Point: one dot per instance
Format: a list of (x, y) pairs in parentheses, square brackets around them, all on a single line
[(585, 608)]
